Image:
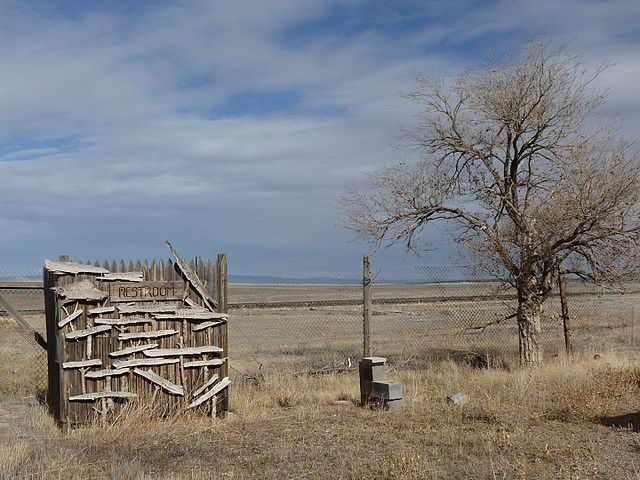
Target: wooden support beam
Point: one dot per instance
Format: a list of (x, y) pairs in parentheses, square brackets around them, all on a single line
[(144, 335), (101, 310), (70, 318), (143, 362), (98, 395), (186, 351), (122, 321), (193, 279), (64, 268), (161, 382), (224, 383), (205, 385), (109, 372), (204, 326), (76, 334), (214, 362), (95, 362), (130, 350), (122, 277)]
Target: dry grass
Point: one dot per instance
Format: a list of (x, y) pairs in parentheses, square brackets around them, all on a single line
[(563, 420)]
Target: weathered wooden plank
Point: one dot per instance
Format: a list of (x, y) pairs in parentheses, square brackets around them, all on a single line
[(95, 362), (150, 334), (76, 334), (70, 318), (98, 395), (194, 305), (218, 387), (122, 321), (63, 268), (186, 351), (101, 310), (159, 308), (193, 279), (130, 350), (123, 277), (161, 382), (204, 326), (146, 291), (143, 362), (205, 385), (214, 362), (109, 372), (82, 290), (191, 314)]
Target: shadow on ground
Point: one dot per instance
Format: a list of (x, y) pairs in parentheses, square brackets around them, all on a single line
[(630, 421)]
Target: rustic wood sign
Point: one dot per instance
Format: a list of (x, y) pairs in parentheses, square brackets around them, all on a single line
[(146, 291)]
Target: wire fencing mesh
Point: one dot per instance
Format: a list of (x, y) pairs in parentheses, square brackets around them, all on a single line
[(23, 362)]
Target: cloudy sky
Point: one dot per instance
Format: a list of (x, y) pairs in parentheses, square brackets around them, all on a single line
[(235, 126)]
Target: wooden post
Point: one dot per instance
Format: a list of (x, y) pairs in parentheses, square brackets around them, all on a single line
[(366, 306), (562, 287), (221, 297)]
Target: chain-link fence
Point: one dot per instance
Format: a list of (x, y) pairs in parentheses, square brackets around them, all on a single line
[(23, 361), (316, 321)]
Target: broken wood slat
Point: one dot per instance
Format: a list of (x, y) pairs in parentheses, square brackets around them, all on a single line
[(123, 277), (69, 318), (95, 362), (194, 305), (214, 362), (83, 290), (150, 334), (191, 314), (62, 268), (76, 334), (99, 395), (193, 279), (161, 382), (101, 310), (186, 351), (161, 308), (205, 385), (205, 325), (128, 351), (218, 387), (106, 373), (122, 321), (144, 362)]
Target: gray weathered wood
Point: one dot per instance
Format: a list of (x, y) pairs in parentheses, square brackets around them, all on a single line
[(193, 279), (143, 362), (98, 395), (62, 268), (143, 335), (109, 372), (120, 292), (205, 385), (214, 362), (76, 334), (194, 305), (122, 321), (161, 382), (218, 387), (83, 290), (70, 318), (123, 277), (95, 362), (101, 310), (204, 326), (187, 351), (130, 350), (191, 314), (159, 308)]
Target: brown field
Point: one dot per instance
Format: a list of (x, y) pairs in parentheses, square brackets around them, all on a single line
[(573, 419)]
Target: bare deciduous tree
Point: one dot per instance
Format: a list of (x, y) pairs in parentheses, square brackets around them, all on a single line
[(509, 157)]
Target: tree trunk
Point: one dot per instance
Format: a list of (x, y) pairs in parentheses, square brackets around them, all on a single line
[(529, 311)]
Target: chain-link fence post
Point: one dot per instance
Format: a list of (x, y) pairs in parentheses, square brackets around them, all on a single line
[(366, 306)]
